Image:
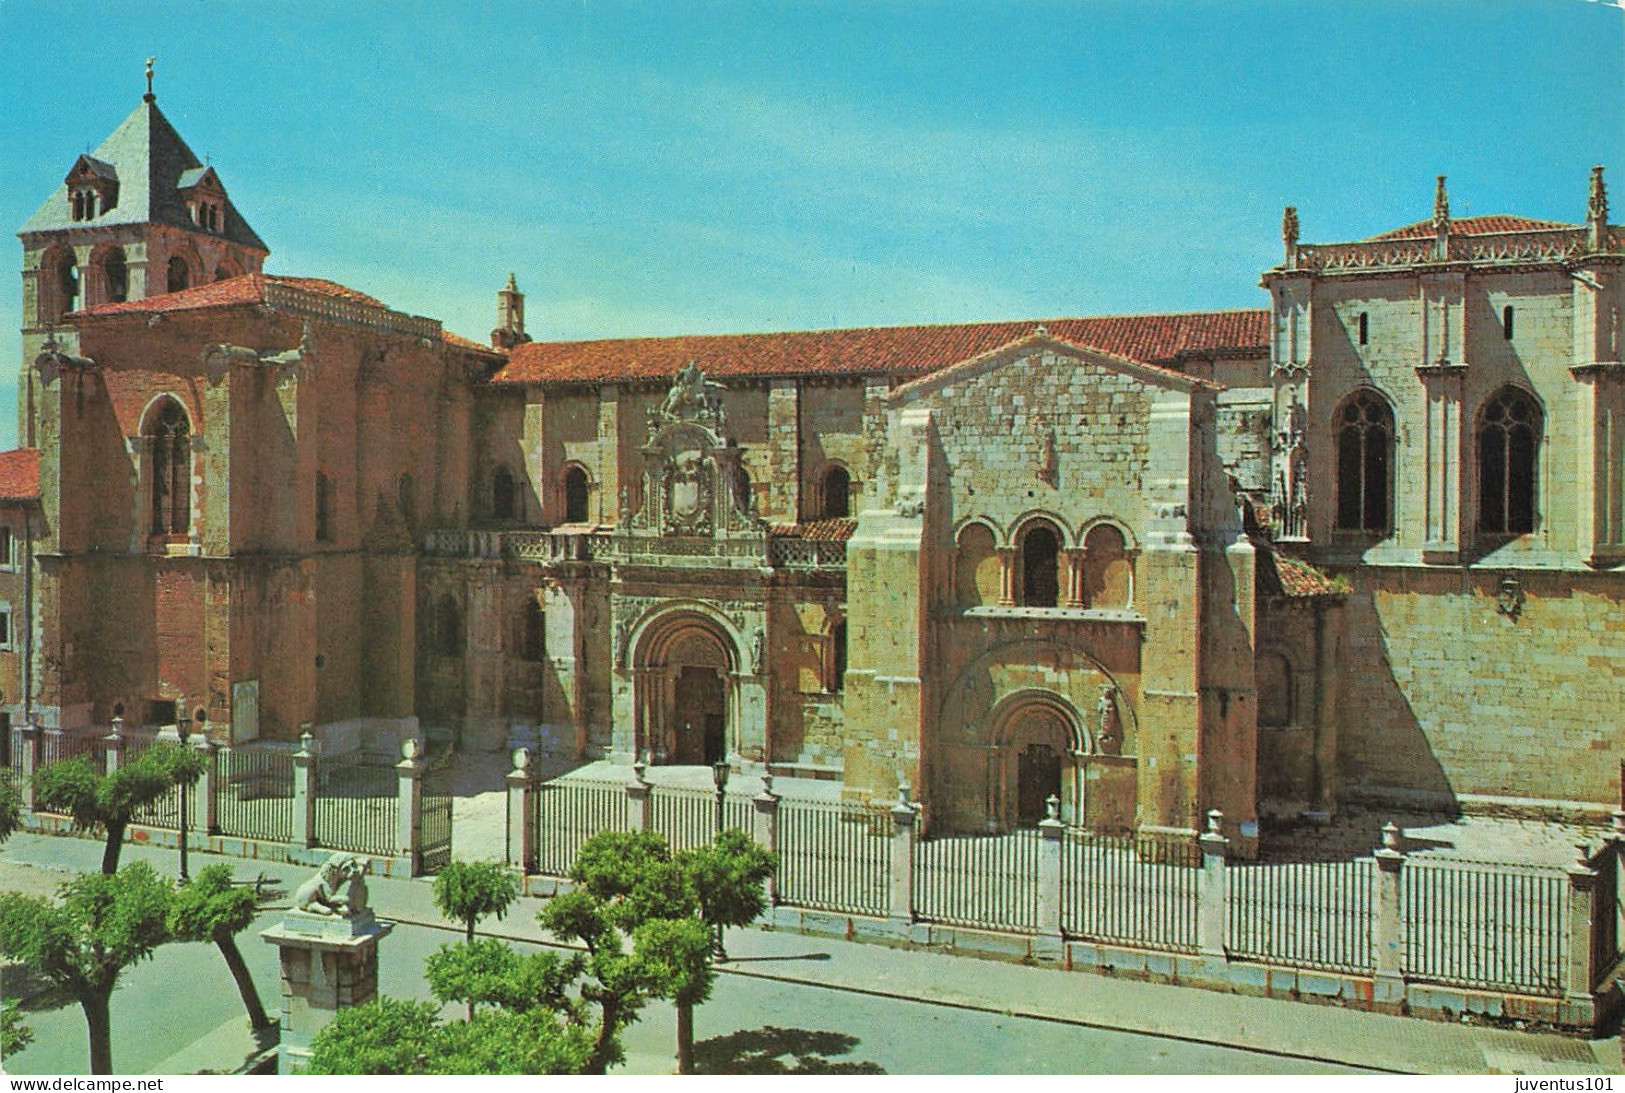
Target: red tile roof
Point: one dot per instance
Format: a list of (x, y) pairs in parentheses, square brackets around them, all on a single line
[(1473, 225), (19, 474), (247, 289), (833, 529), (466, 343), (1283, 576), (1150, 339)]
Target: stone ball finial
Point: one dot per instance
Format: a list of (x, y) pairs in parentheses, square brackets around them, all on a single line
[(1392, 835), (520, 758), (410, 748), (1215, 822)]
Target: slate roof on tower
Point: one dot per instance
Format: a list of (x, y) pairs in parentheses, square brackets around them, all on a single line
[(148, 160)]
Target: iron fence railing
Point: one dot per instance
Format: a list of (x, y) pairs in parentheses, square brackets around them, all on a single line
[(357, 804), (253, 793), (688, 817), (1140, 889), (1307, 914), (434, 832), (835, 857), (567, 814), (979, 880), (1485, 924)]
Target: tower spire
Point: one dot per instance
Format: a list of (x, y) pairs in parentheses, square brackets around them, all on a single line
[(149, 96), (510, 329), (1597, 210)]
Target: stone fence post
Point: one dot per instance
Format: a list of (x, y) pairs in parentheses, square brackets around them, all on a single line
[(409, 810), (639, 799), (1579, 976), (522, 813), (765, 830), (31, 746), (1387, 923), (905, 824), (304, 792), (113, 747), (205, 800), (1215, 888), (1050, 832)]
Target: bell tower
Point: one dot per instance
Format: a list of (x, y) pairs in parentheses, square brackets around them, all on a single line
[(139, 216)]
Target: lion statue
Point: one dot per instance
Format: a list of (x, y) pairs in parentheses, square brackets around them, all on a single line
[(338, 888)]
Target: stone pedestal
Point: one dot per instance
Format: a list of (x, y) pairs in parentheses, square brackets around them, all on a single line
[(327, 962)]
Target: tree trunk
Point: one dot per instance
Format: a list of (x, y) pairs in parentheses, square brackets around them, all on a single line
[(609, 1024), (245, 982), (98, 1021), (115, 843), (685, 1037)]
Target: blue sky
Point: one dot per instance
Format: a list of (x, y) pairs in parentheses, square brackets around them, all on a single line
[(661, 168)]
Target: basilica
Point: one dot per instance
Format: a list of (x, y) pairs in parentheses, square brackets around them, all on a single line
[(1363, 543)]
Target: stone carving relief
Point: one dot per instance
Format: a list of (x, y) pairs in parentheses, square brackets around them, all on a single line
[(218, 360), (338, 888)]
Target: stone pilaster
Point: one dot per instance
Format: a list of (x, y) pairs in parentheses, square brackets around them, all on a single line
[(327, 963), (1442, 440)]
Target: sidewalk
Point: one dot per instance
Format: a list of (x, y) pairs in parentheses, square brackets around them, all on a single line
[(1291, 1029)]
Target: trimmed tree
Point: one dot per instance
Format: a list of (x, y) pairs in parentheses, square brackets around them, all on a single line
[(101, 924), (11, 809), (211, 908), (111, 801), (469, 891)]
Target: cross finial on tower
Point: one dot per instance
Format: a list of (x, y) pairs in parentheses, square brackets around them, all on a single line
[(149, 96)]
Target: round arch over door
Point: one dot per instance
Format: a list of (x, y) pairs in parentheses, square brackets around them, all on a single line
[(1038, 740), (686, 684)]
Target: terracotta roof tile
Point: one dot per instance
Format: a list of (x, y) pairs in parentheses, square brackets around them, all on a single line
[(914, 350), (467, 343), (19, 474), (834, 529), (247, 289), (1473, 225), (1284, 576)]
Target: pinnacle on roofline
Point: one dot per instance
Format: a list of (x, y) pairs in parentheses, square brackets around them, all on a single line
[(149, 96)]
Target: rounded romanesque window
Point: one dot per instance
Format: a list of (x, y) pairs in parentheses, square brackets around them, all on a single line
[(1040, 566), (976, 568), (1108, 572), (179, 275), (1365, 461), (837, 492), (1509, 429), (115, 276), (575, 495)]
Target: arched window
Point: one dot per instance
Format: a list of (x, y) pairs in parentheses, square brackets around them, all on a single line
[(1506, 322), (837, 492), (448, 626), (837, 658), (575, 495), (1365, 448), (1508, 454), (502, 494), (67, 285), (169, 440), (978, 572), (1108, 574), (180, 275), (324, 508), (406, 500), (115, 276), (1040, 574), (1274, 679), (533, 634)]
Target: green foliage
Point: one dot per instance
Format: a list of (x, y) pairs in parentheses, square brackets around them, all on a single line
[(729, 877), (180, 763), (75, 787), (676, 959), (579, 916), (14, 1035), (11, 809), (488, 972), (469, 891), (384, 1036), (210, 903), (610, 864)]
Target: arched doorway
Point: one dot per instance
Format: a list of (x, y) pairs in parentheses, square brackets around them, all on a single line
[(1039, 740), (686, 681)]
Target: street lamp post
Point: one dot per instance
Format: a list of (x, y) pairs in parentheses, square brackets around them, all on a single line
[(719, 774), (183, 789)]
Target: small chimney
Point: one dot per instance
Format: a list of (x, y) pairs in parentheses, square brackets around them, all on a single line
[(510, 329)]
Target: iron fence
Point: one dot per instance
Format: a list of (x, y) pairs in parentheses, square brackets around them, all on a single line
[(567, 814), (253, 793), (688, 817), (979, 880), (357, 805), (1139, 889), (1484, 924), (1307, 914), (434, 833), (835, 857), (57, 746)]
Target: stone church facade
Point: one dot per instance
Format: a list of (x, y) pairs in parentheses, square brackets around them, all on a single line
[(1262, 561)]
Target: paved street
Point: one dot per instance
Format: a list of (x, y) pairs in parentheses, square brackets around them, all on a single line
[(794, 1002)]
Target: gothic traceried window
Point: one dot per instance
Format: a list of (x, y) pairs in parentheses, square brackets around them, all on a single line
[(170, 439), (1365, 456), (1509, 430)]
